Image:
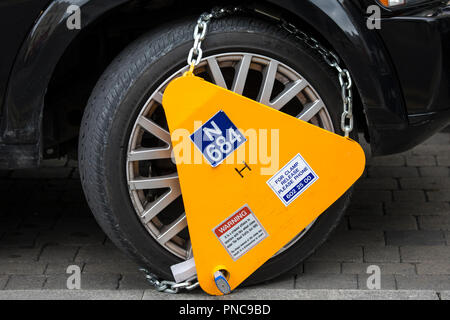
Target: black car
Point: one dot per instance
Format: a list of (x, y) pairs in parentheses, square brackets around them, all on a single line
[(85, 79)]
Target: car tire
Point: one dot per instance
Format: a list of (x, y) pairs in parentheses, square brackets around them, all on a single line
[(118, 98)]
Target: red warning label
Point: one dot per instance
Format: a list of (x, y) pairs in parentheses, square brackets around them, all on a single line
[(240, 232)]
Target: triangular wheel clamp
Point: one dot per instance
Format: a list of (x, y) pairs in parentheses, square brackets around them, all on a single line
[(239, 220)]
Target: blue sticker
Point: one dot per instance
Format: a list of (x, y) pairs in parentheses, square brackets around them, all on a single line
[(217, 138), (292, 180)]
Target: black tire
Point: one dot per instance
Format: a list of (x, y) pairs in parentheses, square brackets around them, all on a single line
[(125, 86)]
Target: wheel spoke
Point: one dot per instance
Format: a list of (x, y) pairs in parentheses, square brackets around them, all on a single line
[(154, 129), (149, 154), (171, 230), (310, 110), (268, 82), (158, 97), (216, 73), (241, 74), (167, 181), (155, 207), (291, 90)]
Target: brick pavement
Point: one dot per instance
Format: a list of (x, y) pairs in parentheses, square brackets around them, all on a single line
[(399, 219)]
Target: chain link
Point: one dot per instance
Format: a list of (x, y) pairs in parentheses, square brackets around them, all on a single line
[(168, 286), (345, 80), (196, 52)]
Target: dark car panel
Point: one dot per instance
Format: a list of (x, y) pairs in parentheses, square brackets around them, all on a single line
[(16, 20), (420, 48)]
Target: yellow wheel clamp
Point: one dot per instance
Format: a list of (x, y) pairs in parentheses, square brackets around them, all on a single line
[(238, 216)]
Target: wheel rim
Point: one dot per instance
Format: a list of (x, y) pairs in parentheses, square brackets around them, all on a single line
[(151, 175)]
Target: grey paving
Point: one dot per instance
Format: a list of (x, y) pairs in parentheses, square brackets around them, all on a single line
[(399, 220)]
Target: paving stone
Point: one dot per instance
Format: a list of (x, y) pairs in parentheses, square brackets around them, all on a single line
[(415, 238), (102, 253), (434, 171), (18, 254), (417, 209), (445, 295), (40, 221), (58, 253), (386, 268), (3, 281), (409, 195), (54, 268), (18, 238), (420, 161), (387, 282), (120, 267), (435, 267), (76, 223), (381, 254), (283, 282), (439, 195), (423, 282), (336, 253), (321, 294), (358, 238), (375, 209), (377, 184), (73, 237), (383, 223), (322, 267), (435, 223), (88, 282), (392, 172), (73, 295), (371, 196), (22, 268), (134, 282), (425, 183), (425, 253), (54, 163), (443, 160), (326, 281), (25, 282), (440, 138), (391, 160), (438, 150)]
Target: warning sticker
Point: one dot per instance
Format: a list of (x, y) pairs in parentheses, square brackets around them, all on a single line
[(240, 232), (292, 180)]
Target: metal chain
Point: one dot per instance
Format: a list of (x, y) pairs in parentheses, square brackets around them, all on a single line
[(345, 80), (168, 286), (194, 58), (196, 53)]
